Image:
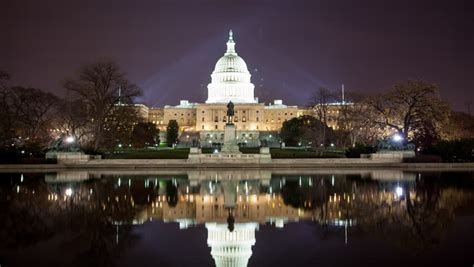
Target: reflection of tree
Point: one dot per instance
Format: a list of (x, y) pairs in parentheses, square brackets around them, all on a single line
[(171, 194), (24, 221), (92, 220), (86, 224), (417, 219)]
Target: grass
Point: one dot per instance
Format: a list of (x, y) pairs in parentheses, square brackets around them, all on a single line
[(294, 153), (182, 153), (177, 153)]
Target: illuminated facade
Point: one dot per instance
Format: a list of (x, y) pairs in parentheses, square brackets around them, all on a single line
[(230, 81)]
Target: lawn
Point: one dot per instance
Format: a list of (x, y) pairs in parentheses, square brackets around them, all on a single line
[(178, 153), (182, 153), (296, 153)]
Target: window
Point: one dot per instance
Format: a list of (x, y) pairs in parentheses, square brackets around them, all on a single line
[(257, 111), (202, 127), (257, 118), (202, 118), (243, 111), (202, 111), (216, 119), (216, 127), (244, 119), (236, 119)]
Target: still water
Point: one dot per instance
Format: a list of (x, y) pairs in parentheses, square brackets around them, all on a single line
[(237, 218)]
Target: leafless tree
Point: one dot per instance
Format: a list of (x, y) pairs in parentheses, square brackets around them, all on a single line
[(26, 113), (407, 106), (320, 102), (97, 85)]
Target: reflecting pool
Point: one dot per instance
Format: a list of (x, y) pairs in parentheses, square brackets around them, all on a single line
[(253, 217)]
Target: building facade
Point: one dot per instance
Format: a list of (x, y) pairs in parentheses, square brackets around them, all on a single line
[(230, 81)]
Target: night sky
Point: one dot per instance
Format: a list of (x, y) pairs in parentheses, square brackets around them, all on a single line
[(169, 48)]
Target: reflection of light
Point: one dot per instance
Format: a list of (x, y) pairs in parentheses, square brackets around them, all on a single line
[(397, 138), (69, 139), (399, 191), (68, 192), (216, 151)]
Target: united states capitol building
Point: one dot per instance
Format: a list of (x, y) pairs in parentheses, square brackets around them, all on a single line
[(230, 81)]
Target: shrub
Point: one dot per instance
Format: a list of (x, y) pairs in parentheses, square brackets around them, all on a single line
[(424, 159), (461, 150), (354, 152)]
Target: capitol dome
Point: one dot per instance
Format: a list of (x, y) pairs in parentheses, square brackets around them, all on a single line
[(230, 80)]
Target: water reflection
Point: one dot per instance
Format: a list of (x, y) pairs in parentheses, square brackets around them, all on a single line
[(91, 214)]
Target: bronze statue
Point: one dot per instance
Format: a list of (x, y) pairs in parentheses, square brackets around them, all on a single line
[(230, 112)]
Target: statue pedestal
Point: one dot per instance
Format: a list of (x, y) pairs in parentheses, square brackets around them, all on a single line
[(230, 142)]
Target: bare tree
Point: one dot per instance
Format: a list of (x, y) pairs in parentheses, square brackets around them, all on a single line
[(26, 113), (72, 118), (407, 106), (320, 102), (35, 111), (97, 85)]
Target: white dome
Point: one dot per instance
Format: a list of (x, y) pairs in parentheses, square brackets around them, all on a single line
[(231, 63), (230, 80), (231, 249)]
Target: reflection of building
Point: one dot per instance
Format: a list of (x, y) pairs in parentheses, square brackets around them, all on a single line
[(255, 197), (231, 249)]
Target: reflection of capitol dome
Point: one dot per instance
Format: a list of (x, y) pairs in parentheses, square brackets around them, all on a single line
[(230, 80), (231, 248)]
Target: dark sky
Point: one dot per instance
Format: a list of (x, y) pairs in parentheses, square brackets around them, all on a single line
[(169, 48)]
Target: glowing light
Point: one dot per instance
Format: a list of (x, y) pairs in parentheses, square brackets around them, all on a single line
[(399, 191), (397, 138), (68, 192), (70, 139)]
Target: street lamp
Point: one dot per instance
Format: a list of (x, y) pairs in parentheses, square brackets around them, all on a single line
[(70, 139)]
